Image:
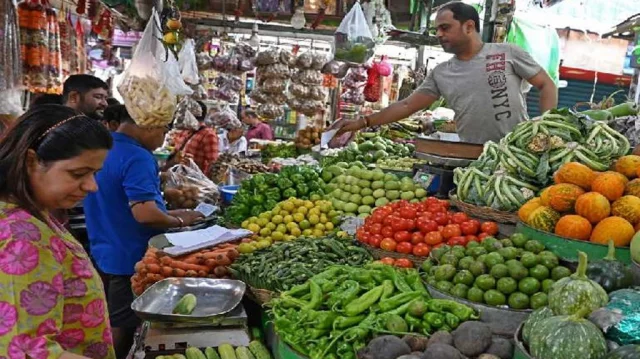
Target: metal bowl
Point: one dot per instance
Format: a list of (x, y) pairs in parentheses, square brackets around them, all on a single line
[(215, 297)]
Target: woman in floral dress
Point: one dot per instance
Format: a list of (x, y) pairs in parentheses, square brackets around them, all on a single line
[(52, 302)]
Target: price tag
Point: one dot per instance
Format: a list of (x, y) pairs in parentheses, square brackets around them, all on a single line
[(206, 209)]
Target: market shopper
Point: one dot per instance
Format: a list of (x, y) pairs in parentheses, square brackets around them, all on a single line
[(481, 83), (232, 138), (258, 130), (200, 144), (124, 214), (86, 94), (52, 302)]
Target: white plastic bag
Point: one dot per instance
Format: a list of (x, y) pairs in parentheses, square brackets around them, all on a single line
[(152, 81), (353, 41), (188, 63), (11, 102)]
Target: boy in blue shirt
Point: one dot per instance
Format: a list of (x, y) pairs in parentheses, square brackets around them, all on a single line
[(124, 214)]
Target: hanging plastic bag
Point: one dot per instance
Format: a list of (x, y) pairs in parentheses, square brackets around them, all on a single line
[(373, 88), (185, 119), (11, 102), (152, 81), (384, 67), (353, 41), (188, 63)]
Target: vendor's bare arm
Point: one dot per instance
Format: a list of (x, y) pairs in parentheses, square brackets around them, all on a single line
[(548, 90), (149, 214), (402, 109)]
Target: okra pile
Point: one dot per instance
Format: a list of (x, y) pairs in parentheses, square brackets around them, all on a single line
[(507, 174), (335, 313), (286, 264)]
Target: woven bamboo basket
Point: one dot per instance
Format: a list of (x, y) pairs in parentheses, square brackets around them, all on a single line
[(482, 212)]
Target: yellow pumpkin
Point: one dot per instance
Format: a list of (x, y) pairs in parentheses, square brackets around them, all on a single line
[(614, 228), (628, 166), (609, 184), (593, 206), (575, 173), (543, 218), (633, 188), (563, 196), (527, 208), (627, 207), (574, 227), (545, 200)]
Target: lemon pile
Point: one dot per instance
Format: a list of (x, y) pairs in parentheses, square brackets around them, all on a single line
[(289, 220)]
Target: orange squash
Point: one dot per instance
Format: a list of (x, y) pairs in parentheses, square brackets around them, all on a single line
[(574, 227), (610, 185), (613, 228), (622, 177), (543, 218), (633, 188), (575, 173), (544, 197), (527, 208), (627, 207), (628, 166), (593, 206), (562, 197)]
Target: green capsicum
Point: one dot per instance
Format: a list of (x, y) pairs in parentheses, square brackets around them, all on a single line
[(348, 294), (316, 295), (461, 311), (258, 198), (299, 290), (451, 320), (302, 189), (258, 180), (401, 310), (414, 280), (397, 300), (289, 193), (435, 320), (426, 328), (256, 210), (363, 303), (389, 288), (297, 178), (316, 333), (414, 323), (284, 183), (273, 194), (347, 322)]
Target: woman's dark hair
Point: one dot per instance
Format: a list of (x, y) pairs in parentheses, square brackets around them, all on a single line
[(112, 101), (117, 113), (55, 133), (462, 12)]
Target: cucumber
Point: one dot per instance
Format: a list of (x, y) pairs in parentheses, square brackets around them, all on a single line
[(226, 352), (244, 353), (194, 353), (211, 353), (259, 350)]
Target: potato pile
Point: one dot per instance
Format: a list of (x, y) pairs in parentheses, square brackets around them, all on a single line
[(206, 263), (182, 197), (308, 137)]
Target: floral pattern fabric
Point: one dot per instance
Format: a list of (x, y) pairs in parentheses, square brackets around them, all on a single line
[(51, 298)]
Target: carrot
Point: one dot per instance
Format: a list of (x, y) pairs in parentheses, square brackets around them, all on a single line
[(177, 272), (214, 254), (154, 277), (138, 267), (223, 260), (211, 263), (149, 260), (220, 271), (167, 271), (202, 273), (233, 254), (191, 273), (166, 260), (153, 268)]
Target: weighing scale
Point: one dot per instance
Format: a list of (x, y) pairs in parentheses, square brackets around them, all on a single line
[(438, 167), (155, 338)]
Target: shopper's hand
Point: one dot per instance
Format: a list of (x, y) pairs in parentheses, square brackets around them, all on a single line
[(189, 217)]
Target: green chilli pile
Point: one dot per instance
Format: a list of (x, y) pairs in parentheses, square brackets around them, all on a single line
[(507, 174)]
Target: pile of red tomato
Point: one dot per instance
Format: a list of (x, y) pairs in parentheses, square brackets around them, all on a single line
[(416, 228)]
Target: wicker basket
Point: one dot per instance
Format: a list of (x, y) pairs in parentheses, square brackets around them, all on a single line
[(378, 253), (261, 296), (487, 213)]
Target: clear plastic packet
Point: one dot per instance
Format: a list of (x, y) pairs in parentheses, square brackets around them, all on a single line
[(226, 93), (299, 90), (152, 81), (331, 68), (11, 102), (318, 61), (280, 71), (188, 63), (304, 61), (308, 77), (259, 96), (231, 81), (185, 118), (270, 111), (223, 118), (268, 57), (186, 186), (220, 62), (273, 85), (353, 41)]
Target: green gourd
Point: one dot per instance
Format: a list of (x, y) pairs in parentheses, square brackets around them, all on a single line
[(610, 273), (630, 351), (534, 319), (572, 294), (567, 337)]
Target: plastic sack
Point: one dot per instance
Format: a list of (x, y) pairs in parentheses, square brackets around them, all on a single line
[(188, 62), (186, 186), (152, 81), (11, 102), (545, 49), (353, 41), (373, 88), (185, 118)]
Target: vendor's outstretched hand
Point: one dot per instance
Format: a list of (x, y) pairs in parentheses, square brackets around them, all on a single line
[(346, 132)]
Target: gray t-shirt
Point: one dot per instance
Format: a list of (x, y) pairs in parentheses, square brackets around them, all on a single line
[(485, 92)]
